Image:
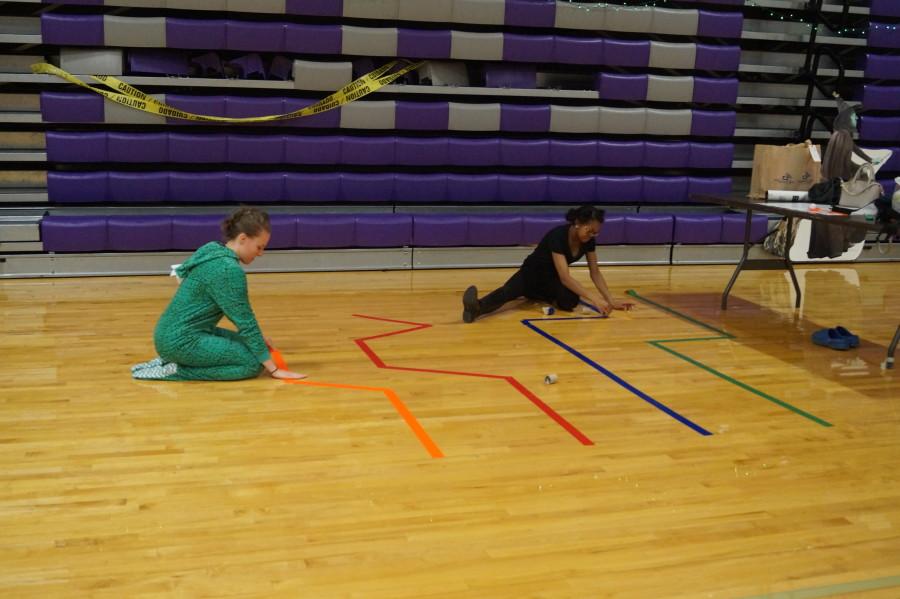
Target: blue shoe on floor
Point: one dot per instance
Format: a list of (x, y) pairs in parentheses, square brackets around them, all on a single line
[(831, 338), (853, 339)]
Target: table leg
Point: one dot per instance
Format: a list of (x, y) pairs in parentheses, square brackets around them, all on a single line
[(743, 260), (787, 260), (889, 362)]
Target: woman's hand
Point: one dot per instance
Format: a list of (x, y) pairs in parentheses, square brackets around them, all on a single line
[(286, 374), (615, 305)]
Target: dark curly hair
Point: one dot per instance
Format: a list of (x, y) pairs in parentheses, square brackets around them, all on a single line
[(247, 220), (585, 214)]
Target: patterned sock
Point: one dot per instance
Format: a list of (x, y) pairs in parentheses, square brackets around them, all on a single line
[(157, 361), (156, 372)]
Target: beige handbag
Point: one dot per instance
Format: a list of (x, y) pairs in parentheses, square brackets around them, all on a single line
[(859, 191)]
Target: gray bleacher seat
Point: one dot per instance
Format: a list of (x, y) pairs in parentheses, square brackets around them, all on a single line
[(148, 32), (574, 119), (481, 12), (371, 9), (468, 45), (324, 76), (664, 55), (368, 114), (670, 89), (417, 10), (674, 21), (474, 117), (624, 121), (368, 41)]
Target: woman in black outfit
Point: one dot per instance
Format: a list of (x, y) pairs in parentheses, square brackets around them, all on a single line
[(545, 276)]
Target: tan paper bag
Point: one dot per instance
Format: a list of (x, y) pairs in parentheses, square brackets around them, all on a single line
[(784, 168)]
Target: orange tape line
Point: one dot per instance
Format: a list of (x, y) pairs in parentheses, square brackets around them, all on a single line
[(430, 446)]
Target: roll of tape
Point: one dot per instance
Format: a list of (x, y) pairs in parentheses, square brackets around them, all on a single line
[(550, 379)]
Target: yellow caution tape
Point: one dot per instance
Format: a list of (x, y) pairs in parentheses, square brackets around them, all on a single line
[(131, 97)]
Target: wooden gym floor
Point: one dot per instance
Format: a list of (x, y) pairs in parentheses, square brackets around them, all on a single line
[(683, 452)]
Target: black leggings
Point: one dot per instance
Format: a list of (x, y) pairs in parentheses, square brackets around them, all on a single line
[(553, 291)]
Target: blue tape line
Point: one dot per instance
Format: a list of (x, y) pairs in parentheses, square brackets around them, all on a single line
[(612, 376)]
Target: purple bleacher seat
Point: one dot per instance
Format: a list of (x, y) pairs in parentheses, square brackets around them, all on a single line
[(712, 155), (383, 230), (200, 34), (77, 188), (420, 151), (472, 189), (326, 230), (579, 189), (281, 68), (666, 154), (208, 65), (420, 188), (72, 30), (74, 233), (309, 149), (717, 58), (503, 74), (880, 66), (564, 152), (733, 226), (620, 153), (284, 231), (495, 229), (137, 147), (425, 116), (879, 128), (81, 146), (243, 107), (525, 117), (138, 188), (527, 48), (612, 190), (709, 185), (878, 97), (312, 39), (893, 163), (198, 147), (265, 188), (522, 189), (530, 13), (713, 124), (205, 105), (367, 150), (143, 233), (254, 36), (312, 187), (199, 188), (889, 186), (69, 107), (440, 230), (720, 24), (883, 35), (698, 228), (622, 87), (578, 50), (612, 231), (535, 226), (249, 66), (524, 152), (191, 231), (622, 53), (329, 119), (255, 149), (366, 187), (318, 8), (648, 228), (153, 61), (715, 91), (423, 43), (665, 190), (473, 152), (885, 8)]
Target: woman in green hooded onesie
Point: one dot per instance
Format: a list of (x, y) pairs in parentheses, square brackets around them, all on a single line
[(191, 346)]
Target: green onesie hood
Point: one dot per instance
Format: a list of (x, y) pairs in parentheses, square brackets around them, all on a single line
[(207, 253)]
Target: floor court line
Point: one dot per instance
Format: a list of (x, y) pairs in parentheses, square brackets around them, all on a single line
[(416, 326), (722, 335), (833, 589), (528, 322)]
